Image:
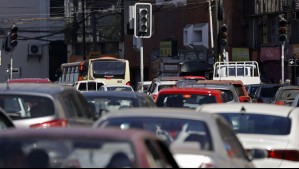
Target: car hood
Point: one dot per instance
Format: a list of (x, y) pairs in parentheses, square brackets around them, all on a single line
[(250, 141)]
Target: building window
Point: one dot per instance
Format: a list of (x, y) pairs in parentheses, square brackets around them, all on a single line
[(56, 8)]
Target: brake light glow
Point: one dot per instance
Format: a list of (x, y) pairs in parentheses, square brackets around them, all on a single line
[(292, 155), (279, 102), (52, 123)]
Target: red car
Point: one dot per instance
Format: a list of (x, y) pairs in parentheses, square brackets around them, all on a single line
[(83, 148), (188, 97)]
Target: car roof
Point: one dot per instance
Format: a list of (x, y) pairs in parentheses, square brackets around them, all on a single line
[(190, 90), (159, 112), (220, 82), (257, 108), (288, 87), (81, 132), (124, 94), (29, 80), (213, 86), (33, 88)]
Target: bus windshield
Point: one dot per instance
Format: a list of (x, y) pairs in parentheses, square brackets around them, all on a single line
[(108, 69)]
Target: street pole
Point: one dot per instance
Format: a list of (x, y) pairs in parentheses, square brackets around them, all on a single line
[(295, 72), (83, 25), (211, 25), (11, 67), (282, 62), (141, 64)]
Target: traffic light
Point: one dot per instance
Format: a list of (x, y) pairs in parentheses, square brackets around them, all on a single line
[(143, 20), (282, 29), (13, 36), (223, 35)]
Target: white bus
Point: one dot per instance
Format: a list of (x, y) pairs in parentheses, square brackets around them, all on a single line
[(109, 70), (246, 71)]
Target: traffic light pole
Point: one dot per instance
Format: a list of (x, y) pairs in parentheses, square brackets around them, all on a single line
[(11, 67), (141, 64), (282, 62)]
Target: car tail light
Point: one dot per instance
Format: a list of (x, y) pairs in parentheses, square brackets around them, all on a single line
[(207, 165), (279, 102), (52, 123), (128, 83), (292, 155), (259, 100)]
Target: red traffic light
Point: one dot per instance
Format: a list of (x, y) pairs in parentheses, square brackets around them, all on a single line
[(223, 28), (14, 29), (282, 30), (282, 22)]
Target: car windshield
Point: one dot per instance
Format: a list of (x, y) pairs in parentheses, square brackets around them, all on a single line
[(118, 88), (110, 103), (65, 153), (184, 100), (21, 107), (171, 130), (249, 123)]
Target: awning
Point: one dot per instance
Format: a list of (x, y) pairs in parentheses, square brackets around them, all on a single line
[(194, 66)]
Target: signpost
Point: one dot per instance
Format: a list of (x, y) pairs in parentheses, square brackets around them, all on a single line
[(294, 63)]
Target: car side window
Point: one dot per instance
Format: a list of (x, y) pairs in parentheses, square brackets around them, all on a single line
[(231, 143)]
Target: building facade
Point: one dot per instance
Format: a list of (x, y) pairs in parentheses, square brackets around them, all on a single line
[(40, 38)]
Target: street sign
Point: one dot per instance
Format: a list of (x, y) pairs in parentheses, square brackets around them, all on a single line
[(292, 62)]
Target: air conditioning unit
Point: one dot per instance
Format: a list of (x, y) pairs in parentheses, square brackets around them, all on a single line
[(34, 49)]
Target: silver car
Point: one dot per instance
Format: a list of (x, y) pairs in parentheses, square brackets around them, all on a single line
[(209, 136), (45, 105)]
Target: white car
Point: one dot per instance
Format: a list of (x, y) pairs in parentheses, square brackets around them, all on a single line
[(268, 129), (116, 88), (88, 85), (161, 83), (208, 138)]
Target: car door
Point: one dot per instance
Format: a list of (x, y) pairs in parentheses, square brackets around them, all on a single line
[(76, 109)]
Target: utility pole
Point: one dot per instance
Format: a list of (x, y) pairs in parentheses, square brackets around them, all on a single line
[(211, 25), (83, 33)]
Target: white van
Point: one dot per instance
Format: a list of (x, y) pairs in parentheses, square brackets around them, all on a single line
[(246, 71), (88, 85)]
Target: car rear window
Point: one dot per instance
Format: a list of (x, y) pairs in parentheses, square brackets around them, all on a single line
[(184, 100), (249, 123), (171, 130), (39, 152), (288, 94), (269, 91), (25, 107)]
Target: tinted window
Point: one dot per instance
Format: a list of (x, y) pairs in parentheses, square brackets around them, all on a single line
[(24, 107), (258, 124), (66, 153), (108, 69), (184, 100), (118, 88), (288, 94), (171, 130), (109, 103), (269, 91)]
